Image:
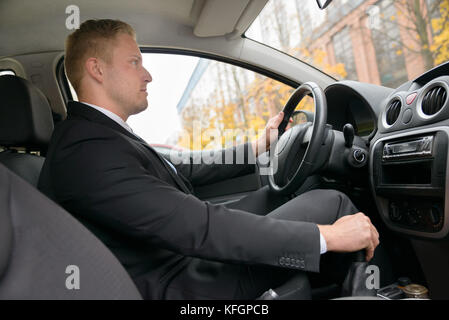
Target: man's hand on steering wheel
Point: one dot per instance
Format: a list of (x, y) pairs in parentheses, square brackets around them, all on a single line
[(269, 135), (299, 152)]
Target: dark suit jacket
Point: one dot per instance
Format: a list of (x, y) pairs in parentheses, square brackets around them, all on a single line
[(122, 190)]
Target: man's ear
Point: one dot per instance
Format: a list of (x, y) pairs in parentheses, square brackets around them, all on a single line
[(94, 68)]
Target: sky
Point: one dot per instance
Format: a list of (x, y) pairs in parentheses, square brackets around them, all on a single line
[(170, 74)]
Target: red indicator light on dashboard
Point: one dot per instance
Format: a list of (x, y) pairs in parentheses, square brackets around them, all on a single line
[(411, 98)]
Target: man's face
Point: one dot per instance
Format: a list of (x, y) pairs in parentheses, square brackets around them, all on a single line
[(125, 79)]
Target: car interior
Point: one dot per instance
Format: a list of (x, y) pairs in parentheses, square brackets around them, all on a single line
[(385, 147)]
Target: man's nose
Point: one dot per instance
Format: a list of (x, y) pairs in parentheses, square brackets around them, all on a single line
[(148, 77)]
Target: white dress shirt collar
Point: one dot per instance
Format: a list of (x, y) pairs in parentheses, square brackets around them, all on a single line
[(110, 115)]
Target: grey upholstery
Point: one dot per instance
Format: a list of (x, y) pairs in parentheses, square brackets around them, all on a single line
[(26, 122), (39, 240), (27, 166)]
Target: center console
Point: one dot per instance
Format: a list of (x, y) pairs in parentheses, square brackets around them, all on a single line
[(408, 177)]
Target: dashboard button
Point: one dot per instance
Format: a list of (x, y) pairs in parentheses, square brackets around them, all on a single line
[(410, 98), (407, 116)]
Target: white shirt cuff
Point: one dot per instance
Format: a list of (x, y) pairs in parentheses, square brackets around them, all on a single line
[(323, 246)]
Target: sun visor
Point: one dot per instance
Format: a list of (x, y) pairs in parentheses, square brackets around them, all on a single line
[(218, 17)]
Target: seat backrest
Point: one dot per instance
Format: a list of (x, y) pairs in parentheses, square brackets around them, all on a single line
[(27, 166), (25, 122), (46, 254)]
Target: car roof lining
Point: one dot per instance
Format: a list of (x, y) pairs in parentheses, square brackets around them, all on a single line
[(206, 18)]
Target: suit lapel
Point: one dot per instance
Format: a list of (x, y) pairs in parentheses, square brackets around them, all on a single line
[(175, 176), (82, 110)]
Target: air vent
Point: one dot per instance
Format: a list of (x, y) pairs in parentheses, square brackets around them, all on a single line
[(393, 110), (434, 100)]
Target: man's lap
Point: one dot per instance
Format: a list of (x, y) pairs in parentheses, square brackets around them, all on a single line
[(249, 282), (322, 206), (318, 206)]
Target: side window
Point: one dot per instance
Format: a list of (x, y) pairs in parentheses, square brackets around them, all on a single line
[(196, 103), (67, 90), (6, 72)]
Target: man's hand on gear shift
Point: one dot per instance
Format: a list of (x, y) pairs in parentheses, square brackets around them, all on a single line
[(351, 233)]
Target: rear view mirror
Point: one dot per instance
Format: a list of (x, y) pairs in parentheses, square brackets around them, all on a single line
[(322, 4)]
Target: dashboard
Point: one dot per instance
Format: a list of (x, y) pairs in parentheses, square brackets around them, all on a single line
[(409, 157), (357, 104), (407, 133)]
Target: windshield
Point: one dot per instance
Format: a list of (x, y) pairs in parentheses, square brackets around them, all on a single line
[(380, 42)]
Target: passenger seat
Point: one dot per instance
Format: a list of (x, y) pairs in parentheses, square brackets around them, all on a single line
[(45, 253), (26, 125)]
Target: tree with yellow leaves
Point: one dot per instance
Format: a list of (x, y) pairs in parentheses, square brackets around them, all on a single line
[(426, 25), (440, 25)]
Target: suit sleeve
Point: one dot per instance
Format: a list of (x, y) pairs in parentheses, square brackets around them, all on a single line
[(209, 166), (108, 182)]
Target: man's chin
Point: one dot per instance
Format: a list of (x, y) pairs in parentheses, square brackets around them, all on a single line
[(141, 108)]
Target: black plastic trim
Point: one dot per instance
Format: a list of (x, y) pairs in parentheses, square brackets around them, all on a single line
[(62, 81)]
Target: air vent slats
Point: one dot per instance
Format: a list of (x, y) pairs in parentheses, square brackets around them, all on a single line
[(393, 111), (434, 100), (439, 96), (424, 102)]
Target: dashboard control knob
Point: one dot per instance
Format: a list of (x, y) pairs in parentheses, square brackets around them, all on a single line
[(435, 216), (395, 213), (412, 216), (416, 291), (404, 281)]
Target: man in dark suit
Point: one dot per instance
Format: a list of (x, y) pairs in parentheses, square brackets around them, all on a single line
[(142, 207)]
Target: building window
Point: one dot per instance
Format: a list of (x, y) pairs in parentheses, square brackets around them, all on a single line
[(343, 52), (387, 44)]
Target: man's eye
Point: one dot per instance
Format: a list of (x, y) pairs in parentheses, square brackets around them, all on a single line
[(135, 62)]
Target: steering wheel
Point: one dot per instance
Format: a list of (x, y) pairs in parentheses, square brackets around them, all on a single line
[(292, 141)]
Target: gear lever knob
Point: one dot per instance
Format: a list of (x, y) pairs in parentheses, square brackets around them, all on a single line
[(348, 133)]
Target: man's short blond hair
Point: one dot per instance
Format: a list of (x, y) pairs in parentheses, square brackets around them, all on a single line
[(92, 39)]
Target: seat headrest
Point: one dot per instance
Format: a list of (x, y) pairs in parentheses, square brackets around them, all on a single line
[(25, 114)]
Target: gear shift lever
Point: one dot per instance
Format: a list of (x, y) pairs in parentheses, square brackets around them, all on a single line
[(348, 133), (355, 281)]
